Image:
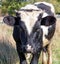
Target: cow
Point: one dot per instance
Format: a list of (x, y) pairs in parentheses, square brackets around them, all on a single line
[(33, 30)]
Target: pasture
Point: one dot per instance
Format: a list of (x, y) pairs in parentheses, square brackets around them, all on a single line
[(8, 53)]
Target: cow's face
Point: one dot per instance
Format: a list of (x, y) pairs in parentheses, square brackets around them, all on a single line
[(29, 31), (30, 18)]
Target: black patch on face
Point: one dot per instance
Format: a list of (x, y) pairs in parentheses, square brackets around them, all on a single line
[(17, 20), (20, 36)]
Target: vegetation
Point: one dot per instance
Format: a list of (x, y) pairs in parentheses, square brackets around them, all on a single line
[(8, 53), (8, 6)]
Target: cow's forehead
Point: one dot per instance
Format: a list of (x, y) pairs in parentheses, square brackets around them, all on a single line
[(32, 14), (30, 18)]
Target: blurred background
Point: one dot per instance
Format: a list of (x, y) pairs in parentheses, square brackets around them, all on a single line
[(8, 53), (8, 6)]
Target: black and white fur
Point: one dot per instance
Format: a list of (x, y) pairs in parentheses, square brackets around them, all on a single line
[(30, 31)]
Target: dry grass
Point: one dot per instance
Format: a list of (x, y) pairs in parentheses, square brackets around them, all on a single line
[(56, 44), (8, 53)]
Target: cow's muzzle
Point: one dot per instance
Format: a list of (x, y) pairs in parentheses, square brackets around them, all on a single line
[(29, 48)]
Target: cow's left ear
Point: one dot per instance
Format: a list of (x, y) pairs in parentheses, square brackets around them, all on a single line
[(9, 20)]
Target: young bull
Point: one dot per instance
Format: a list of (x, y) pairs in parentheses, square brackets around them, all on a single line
[(33, 30), (27, 32)]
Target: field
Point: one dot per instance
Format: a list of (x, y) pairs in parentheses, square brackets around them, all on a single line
[(8, 53)]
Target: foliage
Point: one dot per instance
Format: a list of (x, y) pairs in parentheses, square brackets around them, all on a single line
[(8, 6), (56, 4)]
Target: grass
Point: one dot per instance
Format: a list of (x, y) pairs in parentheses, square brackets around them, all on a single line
[(8, 53), (56, 44)]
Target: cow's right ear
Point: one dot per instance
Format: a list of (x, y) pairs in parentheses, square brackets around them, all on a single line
[(9, 20)]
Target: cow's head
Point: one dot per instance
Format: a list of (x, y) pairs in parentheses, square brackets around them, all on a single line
[(33, 29), (26, 20), (31, 32)]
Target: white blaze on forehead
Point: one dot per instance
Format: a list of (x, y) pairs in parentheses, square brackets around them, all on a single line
[(29, 18)]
